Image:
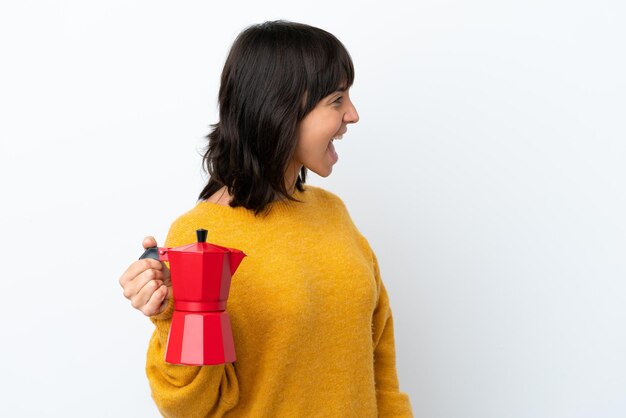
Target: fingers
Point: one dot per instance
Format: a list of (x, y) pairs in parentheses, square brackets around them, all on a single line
[(167, 279), (147, 282), (138, 267), (139, 300), (135, 286), (148, 291), (157, 301)]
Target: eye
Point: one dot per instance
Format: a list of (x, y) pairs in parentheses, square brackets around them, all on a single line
[(338, 100)]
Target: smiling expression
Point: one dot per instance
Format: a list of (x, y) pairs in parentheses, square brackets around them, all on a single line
[(328, 119)]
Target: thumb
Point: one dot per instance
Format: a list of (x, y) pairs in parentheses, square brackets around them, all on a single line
[(148, 242)]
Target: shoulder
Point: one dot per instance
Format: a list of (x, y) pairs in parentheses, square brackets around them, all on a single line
[(326, 196), (333, 201), (343, 210)]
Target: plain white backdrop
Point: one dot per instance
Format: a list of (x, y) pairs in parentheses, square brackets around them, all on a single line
[(487, 172)]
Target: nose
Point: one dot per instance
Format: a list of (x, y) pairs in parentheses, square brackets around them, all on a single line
[(351, 115)]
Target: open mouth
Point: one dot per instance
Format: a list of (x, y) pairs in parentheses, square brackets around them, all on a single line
[(332, 152), (338, 136)]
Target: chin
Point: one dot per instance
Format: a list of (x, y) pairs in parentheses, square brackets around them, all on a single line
[(322, 173)]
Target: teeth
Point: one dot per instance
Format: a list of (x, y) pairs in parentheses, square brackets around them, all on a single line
[(338, 137)]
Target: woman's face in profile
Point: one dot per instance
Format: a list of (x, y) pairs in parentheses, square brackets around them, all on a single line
[(316, 131)]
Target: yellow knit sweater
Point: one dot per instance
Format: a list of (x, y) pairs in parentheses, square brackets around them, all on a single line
[(311, 319)]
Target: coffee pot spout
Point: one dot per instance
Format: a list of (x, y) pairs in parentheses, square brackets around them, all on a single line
[(236, 256)]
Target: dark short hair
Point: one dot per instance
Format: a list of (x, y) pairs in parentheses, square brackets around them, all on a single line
[(275, 74)]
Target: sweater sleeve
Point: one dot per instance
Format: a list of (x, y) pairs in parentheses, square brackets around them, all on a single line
[(391, 401), (180, 390)]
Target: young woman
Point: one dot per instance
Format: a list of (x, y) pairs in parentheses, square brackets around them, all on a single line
[(310, 315)]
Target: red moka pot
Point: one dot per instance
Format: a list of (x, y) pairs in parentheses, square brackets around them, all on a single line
[(200, 333)]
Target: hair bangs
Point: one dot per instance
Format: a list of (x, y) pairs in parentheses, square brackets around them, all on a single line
[(329, 68)]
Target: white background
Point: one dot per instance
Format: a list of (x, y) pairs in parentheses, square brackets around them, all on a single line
[(487, 171)]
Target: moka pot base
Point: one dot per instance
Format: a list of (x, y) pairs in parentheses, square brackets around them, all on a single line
[(200, 339)]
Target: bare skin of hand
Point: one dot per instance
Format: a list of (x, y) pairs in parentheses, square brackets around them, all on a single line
[(147, 283)]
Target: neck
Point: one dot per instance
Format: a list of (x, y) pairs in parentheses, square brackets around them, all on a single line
[(291, 175)]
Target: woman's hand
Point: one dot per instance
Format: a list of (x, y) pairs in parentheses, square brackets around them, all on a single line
[(147, 283)]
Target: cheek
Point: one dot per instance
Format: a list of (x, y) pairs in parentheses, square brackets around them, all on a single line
[(311, 147), (314, 136), (315, 133)]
